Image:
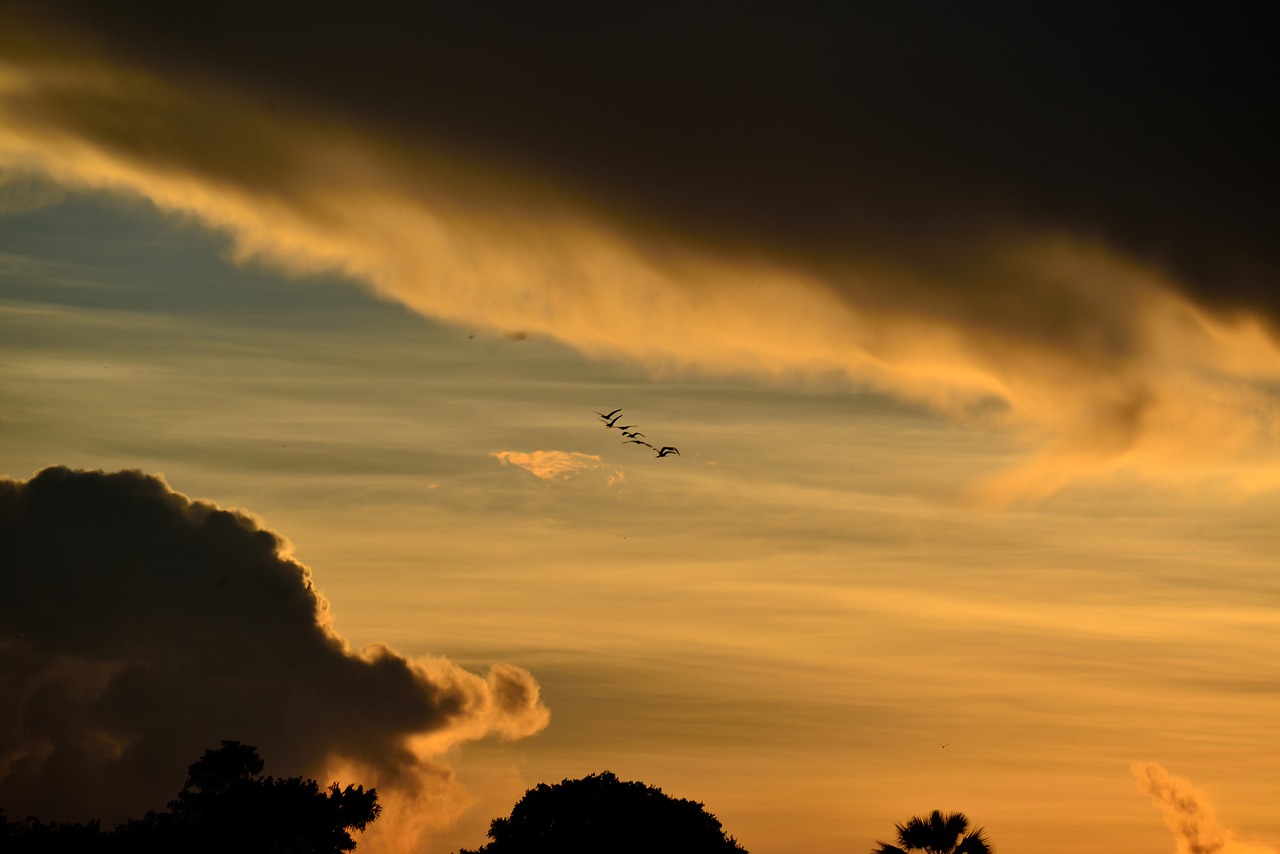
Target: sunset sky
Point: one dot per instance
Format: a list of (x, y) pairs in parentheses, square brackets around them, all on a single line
[(964, 318)]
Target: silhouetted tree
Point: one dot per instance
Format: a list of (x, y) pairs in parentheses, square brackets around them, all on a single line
[(33, 835), (938, 834), (601, 814), (225, 806)]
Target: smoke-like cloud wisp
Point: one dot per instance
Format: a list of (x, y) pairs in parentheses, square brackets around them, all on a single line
[(1189, 813), (139, 627)]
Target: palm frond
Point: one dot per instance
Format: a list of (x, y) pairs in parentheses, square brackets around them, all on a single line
[(886, 848), (937, 833), (916, 834), (974, 843)]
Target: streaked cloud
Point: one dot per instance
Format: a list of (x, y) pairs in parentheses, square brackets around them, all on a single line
[(1190, 814), (139, 626), (1098, 360), (23, 192)]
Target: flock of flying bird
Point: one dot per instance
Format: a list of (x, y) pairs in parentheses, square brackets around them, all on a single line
[(611, 419)]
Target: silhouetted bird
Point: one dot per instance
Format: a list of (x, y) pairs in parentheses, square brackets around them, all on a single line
[(638, 442), (614, 421), (631, 435), (604, 417), (626, 426), (667, 449)]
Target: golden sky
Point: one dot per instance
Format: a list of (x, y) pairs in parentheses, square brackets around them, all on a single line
[(969, 349)]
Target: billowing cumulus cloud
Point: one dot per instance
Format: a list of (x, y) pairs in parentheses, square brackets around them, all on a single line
[(557, 465), (521, 190), (1189, 813), (139, 627)]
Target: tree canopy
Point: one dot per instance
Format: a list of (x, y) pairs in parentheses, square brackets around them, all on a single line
[(600, 814), (225, 805), (938, 833)]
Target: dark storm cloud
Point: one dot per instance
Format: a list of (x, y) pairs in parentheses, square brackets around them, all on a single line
[(999, 213), (809, 131), (139, 627)]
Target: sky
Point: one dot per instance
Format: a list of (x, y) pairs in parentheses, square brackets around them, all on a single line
[(964, 321)]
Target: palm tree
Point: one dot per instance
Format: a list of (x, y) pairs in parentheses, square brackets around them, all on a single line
[(938, 834)]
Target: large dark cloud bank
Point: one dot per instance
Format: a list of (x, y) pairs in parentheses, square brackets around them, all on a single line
[(138, 627), (805, 128)]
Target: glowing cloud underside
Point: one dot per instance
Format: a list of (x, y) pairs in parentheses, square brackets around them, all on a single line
[(139, 627), (1090, 356), (552, 465), (1189, 813)]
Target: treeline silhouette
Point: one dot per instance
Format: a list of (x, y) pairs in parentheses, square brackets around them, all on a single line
[(600, 814), (225, 805), (228, 805)]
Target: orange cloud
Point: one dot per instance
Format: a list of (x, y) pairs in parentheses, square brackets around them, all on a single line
[(1092, 359), (1189, 814), (553, 465)]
